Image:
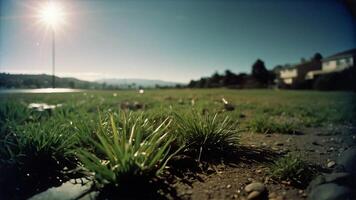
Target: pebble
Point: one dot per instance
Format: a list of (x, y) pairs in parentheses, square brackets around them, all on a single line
[(331, 164), (330, 149), (272, 195), (256, 186), (254, 195), (189, 192), (228, 186), (278, 144)]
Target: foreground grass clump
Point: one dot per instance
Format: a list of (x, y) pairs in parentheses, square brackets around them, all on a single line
[(293, 169), (128, 151), (204, 134)]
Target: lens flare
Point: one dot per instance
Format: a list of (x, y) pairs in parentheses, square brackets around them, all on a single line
[(52, 15)]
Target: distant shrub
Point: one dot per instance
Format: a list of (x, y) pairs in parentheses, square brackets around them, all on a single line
[(344, 80)]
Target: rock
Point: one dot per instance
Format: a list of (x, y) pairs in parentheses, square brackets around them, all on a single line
[(278, 144), (254, 195), (331, 149), (331, 164), (229, 107), (315, 143), (228, 186), (339, 178), (348, 161), (189, 192), (330, 191), (255, 186)]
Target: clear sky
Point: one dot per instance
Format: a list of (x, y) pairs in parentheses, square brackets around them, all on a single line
[(173, 40)]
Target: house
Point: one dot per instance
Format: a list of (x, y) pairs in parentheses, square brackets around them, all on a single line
[(291, 77), (334, 63)]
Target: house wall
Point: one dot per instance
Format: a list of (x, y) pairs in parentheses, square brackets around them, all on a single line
[(288, 73), (338, 64)]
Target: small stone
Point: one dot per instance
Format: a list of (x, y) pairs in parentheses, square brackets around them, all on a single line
[(278, 144), (272, 195), (331, 149), (331, 164), (330, 191), (189, 192), (228, 186), (259, 171), (256, 186), (234, 196), (254, 195)]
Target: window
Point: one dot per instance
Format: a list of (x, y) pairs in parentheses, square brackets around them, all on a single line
[(348, 60)]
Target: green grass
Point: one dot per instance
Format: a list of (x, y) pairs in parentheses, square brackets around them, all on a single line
[(128, 149), (294, 169), (206, 134), (28, 139), (263, 124)]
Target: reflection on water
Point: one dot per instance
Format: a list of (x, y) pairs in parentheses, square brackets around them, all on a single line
[(39, 90)]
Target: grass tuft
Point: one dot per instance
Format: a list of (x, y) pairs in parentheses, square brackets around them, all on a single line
[(204, 134), (262, 124), (128, 149), (293, 169)]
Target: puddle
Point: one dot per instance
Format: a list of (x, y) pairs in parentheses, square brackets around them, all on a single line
[(43, 106), (39, 90), (67, 191)]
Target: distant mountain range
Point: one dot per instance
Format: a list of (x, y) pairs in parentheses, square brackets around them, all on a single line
[(134, 83), (45, 81)]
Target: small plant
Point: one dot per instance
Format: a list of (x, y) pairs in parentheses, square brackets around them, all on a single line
[(49, 142), (204, 134), (128, 151), (267, 125), (293, 169)]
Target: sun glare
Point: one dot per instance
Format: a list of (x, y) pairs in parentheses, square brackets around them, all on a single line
[(52, 14)]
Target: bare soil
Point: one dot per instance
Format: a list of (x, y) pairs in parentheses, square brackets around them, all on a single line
[(227, 179)]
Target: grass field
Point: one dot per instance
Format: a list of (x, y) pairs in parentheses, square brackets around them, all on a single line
[(119, 138)]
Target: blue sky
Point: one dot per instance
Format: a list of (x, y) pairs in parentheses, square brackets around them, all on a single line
[(173, 40)]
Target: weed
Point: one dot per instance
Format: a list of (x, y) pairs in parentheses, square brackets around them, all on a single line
[(292, 168), (262, 124), (127, 151), (204, 134)]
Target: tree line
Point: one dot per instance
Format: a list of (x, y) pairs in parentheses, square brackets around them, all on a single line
[(260, 77)]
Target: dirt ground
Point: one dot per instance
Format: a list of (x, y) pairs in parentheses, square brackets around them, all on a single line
[(227, 180)]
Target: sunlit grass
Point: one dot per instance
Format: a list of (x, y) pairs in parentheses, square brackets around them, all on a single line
[(130, 148), (204, 134)]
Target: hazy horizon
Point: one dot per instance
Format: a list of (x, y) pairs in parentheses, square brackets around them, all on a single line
[(170, 40)]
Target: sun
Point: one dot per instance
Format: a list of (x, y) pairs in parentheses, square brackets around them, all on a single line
[(51, 14)]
